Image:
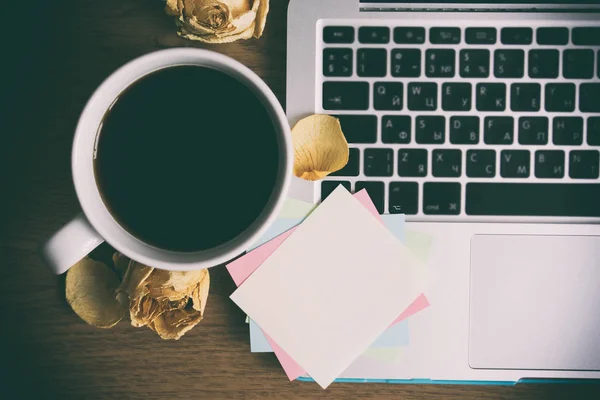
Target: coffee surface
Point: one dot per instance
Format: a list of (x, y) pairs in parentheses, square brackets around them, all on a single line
[(187, 158)]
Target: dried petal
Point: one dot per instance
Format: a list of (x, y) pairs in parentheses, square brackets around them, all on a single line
[(261, 17), (320, 147), (134, 278), (200, 293), (171, 7), (247, 34), (90, 291), (174, 324), (238, 7)]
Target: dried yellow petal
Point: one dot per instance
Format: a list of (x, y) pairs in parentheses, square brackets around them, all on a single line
[(261, 17), (172, 325), (320, 147), (90, 291), (200, 293)]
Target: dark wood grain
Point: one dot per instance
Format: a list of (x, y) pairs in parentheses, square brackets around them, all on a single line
[(56, 53)]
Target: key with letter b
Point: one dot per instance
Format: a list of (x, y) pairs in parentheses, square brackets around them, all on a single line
[(550, 164)]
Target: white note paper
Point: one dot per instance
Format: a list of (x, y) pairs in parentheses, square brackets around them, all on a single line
[(332, 287)]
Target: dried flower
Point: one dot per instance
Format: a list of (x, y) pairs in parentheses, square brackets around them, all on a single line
[(219, 21), (320, 147), (168, 302)]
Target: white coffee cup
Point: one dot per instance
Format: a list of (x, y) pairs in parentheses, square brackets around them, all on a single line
[(96, 225)]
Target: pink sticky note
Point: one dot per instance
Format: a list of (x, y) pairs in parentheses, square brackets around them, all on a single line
[(244, 266)]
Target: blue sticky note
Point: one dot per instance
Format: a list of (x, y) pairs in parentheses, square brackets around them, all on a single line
[(395, 336), (277, 228), (258, 340), (395, 224)]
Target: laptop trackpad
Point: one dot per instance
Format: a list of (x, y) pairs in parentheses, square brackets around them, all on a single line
[(535, 302)]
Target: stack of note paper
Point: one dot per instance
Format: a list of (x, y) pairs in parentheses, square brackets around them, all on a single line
[(333, 286)]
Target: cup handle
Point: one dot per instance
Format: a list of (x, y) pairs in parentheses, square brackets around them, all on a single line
[(70, 244)]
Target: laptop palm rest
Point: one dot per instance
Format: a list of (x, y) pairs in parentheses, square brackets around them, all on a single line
[(535, 302)]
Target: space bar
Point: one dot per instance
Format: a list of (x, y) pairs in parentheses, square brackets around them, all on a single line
[(533, 199)]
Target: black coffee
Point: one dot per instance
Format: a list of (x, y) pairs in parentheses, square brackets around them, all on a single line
[(187, 158)]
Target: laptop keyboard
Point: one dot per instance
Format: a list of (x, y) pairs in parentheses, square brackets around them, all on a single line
[(466, 121)]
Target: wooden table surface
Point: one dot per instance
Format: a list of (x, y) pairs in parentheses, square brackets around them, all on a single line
[(58, 52)]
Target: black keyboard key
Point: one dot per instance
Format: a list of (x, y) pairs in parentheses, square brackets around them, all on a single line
[(481, 163), (444, 35), (412, 162), (550, 164), (560, 97), (430, 129), (379, 162), (337, 62), (352, 167), (464, 130), (499, 130), (589, 97), (359, 128), (525, 96), (586, 36), (509, 63), (491, 96), (388, 95), (543, 64), (329, 186), (474, 63), (480, 35), (446, 163), (533, 130), (440, 63), (406, 63), (375, 191), (371, 62), (549, 36), (533, 199), (583, 164), (345, 95), (374, 34), (422, 96), (456, 96), (338, 34), (578, 64), (404, 198), (516, 35), (409, 35), (441, 198), (567, 131), (593, 131), (396, 129), (515, 163)]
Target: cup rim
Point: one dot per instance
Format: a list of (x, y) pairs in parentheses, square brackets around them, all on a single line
[(85, 148)]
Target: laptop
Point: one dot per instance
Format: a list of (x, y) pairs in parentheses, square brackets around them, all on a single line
[(481, 122)]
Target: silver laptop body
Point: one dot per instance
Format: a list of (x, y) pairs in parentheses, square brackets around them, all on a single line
[(480, 122)]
